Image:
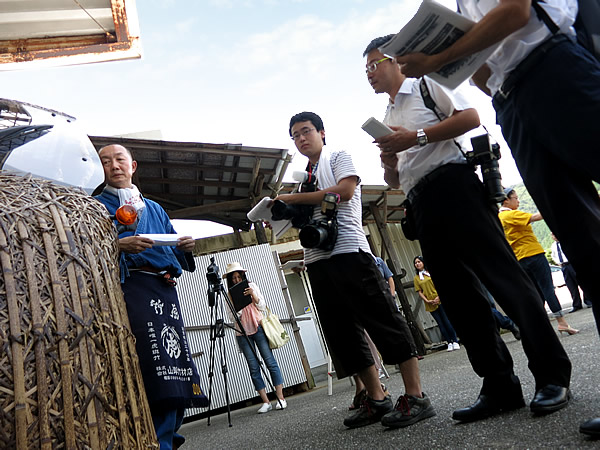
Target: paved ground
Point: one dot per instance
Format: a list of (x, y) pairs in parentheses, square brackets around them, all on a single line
[(314, 419)]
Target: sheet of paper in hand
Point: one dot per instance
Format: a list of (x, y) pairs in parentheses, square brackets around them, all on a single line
[(163, 239)]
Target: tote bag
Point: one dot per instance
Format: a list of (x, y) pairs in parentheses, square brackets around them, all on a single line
[(274, 331)]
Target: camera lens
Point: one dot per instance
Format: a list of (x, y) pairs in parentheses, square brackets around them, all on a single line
[(312, 236), (279, 211)]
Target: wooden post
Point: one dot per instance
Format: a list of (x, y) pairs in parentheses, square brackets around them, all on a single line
[(295, 328)]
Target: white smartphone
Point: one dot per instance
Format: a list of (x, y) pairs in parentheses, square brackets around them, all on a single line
[(376, 128)]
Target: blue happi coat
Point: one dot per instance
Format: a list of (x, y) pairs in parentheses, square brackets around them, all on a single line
[(170, 376)]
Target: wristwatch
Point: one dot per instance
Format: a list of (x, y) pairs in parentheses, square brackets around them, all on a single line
[(422, 138)]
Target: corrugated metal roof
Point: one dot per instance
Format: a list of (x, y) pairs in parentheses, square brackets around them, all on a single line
[(27, 19), (59, 32)]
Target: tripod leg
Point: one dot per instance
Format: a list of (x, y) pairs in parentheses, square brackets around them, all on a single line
[(211, 364), (224, 371)]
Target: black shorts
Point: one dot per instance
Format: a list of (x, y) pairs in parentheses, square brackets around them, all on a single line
[(351, 296)]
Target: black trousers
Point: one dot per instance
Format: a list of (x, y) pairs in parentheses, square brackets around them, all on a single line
[(462, 239), (351, 296), (573, 285)]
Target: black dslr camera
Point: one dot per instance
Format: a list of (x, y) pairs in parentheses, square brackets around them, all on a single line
[(214, 281), (321, 233), (487, 155), (300, 215)]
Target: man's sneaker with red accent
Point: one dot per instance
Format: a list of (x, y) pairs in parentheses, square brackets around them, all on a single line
[(370, 411), (408, 410)]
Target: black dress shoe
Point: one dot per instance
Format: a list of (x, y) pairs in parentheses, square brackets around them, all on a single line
[(550, 398), (516, 333), (591, 427), (575, 309), (487, 406)]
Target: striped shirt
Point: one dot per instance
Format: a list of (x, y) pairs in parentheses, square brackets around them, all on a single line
[(351, 237)]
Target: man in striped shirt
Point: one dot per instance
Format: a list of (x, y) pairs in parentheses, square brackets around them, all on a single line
[(350, 293)]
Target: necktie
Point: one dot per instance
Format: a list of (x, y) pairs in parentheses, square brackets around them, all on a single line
[(560, 257)]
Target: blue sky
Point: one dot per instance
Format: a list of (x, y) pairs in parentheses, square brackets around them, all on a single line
[(236, 71)]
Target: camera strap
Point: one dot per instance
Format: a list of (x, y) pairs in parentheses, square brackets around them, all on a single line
[(430, 104)]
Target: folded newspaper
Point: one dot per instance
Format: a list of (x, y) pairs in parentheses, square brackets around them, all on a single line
[(262, 211), (433, 29)]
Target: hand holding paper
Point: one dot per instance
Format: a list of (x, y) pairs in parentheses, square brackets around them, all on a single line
[(433, 29)]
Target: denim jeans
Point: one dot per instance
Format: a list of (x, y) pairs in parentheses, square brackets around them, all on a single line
[(538, 269), (259, 339), (166, 424), (445, 326)]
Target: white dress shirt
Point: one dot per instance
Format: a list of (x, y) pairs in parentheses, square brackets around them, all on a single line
[(519, 44), (409, 111)]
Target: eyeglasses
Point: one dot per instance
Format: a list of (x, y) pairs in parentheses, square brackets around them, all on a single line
[(373, 66), (302, 132)]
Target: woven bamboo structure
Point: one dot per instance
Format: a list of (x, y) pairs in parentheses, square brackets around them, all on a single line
[(69, 373)]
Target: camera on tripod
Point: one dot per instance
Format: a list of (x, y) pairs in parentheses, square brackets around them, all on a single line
[(314, 233), (486, 155), (214, 281)]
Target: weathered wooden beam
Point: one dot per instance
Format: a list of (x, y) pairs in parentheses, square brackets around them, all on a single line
[(211, 208)]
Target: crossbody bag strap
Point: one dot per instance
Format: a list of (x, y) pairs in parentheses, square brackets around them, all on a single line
[(430, 104), (544, 17)]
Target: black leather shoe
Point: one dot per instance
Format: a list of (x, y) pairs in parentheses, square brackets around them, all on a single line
[(575, 309), (516, 333), (550, 398), (591, 427), (487, 406)]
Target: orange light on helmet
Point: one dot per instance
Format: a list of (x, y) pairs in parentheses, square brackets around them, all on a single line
[(126, 215)]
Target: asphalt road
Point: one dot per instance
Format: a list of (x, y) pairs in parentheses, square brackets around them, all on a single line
[(314, 419)]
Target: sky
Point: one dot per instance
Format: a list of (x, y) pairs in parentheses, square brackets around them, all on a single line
[(235, 71)]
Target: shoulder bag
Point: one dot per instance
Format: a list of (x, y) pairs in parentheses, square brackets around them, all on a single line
[(274, 331)]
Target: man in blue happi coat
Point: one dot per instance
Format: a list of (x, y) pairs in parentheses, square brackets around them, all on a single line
[(147, 274)]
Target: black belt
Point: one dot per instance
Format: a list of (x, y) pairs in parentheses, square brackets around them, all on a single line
[(530, 61), (430, 177), (565, 264)]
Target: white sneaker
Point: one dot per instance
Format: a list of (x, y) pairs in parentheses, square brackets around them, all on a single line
[(281, 405), (266, 407), (450, 347), (456, 346)]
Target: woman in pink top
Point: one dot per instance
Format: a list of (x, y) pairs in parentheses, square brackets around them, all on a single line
[(250, 318)]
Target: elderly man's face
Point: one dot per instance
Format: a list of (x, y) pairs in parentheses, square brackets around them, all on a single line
[(118, 166)]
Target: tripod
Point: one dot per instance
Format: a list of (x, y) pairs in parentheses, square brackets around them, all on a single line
[(216, 294)]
